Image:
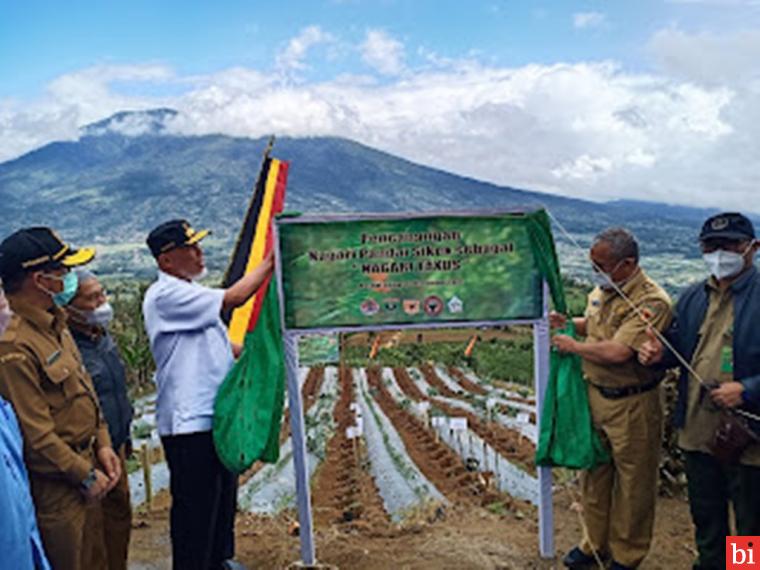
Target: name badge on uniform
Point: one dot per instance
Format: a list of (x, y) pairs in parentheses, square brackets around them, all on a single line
[(53, 357)]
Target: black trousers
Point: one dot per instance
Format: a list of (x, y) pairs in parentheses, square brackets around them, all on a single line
[(204, 495), (712, 486)]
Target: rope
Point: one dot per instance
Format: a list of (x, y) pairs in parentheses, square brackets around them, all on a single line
[(576, 500), (643, 317)]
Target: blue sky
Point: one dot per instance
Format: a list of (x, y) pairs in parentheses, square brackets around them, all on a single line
[(40, 40), (598, 99)]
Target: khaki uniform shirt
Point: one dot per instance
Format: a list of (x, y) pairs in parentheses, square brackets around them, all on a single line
[(713, 362), (42, 375), (610, 317)]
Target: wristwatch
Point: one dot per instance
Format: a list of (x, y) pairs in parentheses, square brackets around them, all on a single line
[(89, 481)]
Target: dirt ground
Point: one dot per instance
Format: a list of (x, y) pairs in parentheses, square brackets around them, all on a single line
[(456, 537)]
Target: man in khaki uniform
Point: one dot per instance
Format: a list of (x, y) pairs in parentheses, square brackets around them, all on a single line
[(716, 331), (67, 448), (619, 498)]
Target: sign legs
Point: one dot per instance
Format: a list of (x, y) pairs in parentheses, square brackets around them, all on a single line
[(541, 339), (298, 435)]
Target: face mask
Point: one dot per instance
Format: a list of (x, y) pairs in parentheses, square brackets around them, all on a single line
[(724, 264), (70, 286), (99, 317), (604, 280)]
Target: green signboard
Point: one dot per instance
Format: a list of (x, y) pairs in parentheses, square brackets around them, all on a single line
[(370, 271)]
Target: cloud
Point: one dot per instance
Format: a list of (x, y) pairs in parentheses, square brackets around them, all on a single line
[(588, 20), (293, 56), (592, 130), (707, 57), (73, 100), (383, 53)]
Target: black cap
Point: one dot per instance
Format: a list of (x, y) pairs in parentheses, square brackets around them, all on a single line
[(729, 225), (30, 249), (171, 234)]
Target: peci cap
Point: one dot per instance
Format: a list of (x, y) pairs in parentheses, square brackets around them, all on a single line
[(171, 234), (729, 225), (30, 249)]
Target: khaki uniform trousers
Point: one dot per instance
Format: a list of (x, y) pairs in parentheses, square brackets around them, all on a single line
[(619, 498), (61, 516), (109, 524)]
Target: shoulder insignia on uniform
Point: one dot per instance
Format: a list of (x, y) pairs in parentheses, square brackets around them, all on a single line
[(595, 302), (650, 311), (10, 333), (12, 357), (53, 357)]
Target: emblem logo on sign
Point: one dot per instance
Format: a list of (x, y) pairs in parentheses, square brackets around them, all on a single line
[(370, 307), (411, 306), (390, 304), (433, 306), (455, 305)]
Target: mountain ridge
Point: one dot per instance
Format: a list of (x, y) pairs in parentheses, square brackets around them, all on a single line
[(128, 172)]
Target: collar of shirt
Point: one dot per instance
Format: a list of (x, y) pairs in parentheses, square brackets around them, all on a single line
[(89, 333), (92, 333), (163, 276), (741, 282), (55, 318), (634, 281)]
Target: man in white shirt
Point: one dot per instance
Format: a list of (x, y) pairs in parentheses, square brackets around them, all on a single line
[(193, 355)]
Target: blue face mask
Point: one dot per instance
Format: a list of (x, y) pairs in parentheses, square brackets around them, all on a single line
[(70, 286)]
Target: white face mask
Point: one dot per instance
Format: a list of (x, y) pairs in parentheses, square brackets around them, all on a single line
[(99, 317), (724, 264), (604, 280), (102, 316)]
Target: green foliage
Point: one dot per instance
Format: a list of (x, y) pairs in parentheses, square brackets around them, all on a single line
[(133, 464), (575, 294), (141, 429), (128, 329), (498, 508), (503, 359)]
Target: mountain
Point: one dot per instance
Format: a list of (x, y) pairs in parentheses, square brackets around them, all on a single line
[(127, 173)]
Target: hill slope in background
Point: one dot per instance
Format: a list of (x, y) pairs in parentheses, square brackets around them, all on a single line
[(127, 173)]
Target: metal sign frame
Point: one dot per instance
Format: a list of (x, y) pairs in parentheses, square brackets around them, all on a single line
[(541, 351)]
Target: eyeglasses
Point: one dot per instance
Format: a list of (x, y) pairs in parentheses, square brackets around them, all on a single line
[(598, 267), (95, 296)]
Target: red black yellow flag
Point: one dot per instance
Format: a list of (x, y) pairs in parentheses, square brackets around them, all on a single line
[(248, 407), (255, 241)]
